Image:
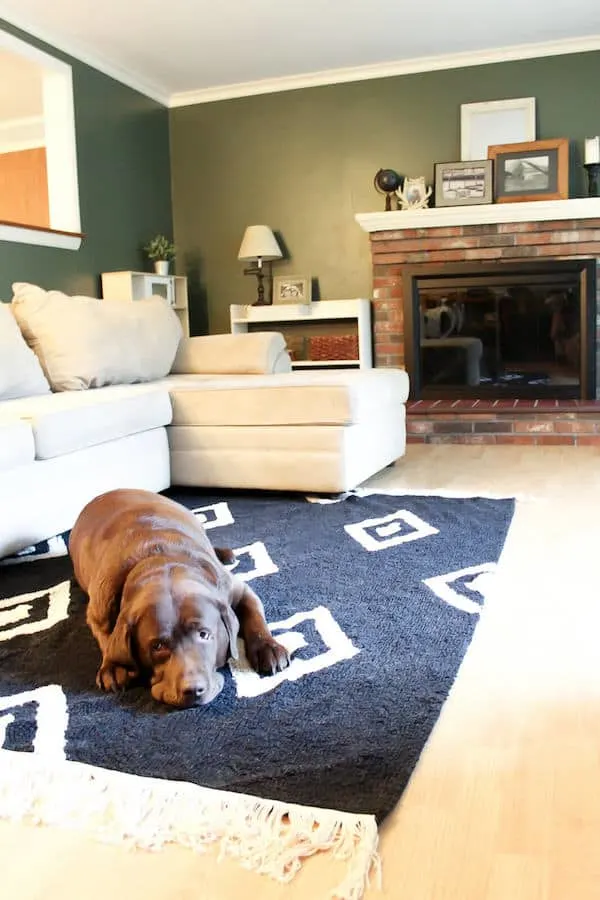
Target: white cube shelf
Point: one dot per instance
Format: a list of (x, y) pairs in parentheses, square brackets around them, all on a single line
[(358, 312), (127, 286)]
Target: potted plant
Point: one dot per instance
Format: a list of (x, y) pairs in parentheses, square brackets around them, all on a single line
[(161, 251)]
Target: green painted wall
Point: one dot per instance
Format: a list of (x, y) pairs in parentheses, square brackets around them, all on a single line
[(124, 185), (303, 162)]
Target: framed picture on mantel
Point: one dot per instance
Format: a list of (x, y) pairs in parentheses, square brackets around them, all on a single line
[(463, 183), (495, 122), (536, 170)]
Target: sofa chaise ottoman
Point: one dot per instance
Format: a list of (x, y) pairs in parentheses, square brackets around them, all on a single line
[(321, 431)]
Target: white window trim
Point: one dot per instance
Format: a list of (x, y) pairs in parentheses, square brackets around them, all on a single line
[(61, 153)]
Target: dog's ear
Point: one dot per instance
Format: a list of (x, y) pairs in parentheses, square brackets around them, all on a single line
[(230, 621), (119, 649)]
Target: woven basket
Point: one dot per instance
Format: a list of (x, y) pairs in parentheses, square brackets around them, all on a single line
[(296, 346), (333, 347)]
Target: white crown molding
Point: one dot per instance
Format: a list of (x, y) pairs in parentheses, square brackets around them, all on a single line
[(17, 145), (25, 133), (22, 122), (307, 80), (385, 70), (124, 76)]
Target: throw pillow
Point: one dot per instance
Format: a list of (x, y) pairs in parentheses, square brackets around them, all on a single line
[(20, 372), (83, 342)]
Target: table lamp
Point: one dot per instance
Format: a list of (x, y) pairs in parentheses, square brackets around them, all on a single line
[(259, 245)]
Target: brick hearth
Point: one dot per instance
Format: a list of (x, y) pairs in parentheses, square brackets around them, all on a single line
[(534, 422), (500, 421)]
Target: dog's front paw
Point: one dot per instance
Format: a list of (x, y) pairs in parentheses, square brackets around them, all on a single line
[(266, 655), (112, 677)]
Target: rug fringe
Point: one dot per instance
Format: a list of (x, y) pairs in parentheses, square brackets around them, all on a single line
[(268, 837)]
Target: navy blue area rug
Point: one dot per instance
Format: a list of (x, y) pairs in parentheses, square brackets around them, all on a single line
[(376, 597)]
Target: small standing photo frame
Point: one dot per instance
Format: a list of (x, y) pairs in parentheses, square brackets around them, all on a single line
[(292, 289), (463, 183), (536, 170)]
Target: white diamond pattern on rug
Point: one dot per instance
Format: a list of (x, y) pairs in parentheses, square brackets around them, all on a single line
[(216, 515), (252, 561), (466, 589), (339, 647), (51, 718), (389, 531), (25, 609), (324, 501)]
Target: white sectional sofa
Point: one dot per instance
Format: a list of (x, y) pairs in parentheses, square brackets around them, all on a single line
[(216, 411)]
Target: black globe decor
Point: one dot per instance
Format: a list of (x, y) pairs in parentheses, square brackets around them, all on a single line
[(387, 182)]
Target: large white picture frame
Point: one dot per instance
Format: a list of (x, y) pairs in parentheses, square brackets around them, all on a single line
[(495, 122)]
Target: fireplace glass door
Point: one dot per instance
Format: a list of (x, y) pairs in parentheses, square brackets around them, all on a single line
[(507, 333)]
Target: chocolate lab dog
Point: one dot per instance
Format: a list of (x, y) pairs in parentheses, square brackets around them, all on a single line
[(161, 602)]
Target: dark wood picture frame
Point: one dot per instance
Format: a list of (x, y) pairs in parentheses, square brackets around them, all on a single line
[(547, 180)]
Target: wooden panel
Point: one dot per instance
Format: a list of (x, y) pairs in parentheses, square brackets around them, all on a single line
[(24, 187)]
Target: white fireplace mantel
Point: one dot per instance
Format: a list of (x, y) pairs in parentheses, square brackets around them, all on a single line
[(489, 214)]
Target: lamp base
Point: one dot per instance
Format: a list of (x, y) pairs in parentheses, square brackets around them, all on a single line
[(260, 299), (593, 171), (259, 271)]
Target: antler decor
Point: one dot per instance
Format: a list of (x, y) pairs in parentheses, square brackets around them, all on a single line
[(414, 194)]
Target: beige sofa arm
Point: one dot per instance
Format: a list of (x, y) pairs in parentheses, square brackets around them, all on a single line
[(255, 353)]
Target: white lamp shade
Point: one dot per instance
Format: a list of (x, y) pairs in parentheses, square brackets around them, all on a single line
[(259, 242)]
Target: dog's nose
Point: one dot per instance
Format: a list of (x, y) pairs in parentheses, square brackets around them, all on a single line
[(191, 694)]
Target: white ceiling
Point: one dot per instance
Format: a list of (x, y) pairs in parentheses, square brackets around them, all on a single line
[(192, 50)]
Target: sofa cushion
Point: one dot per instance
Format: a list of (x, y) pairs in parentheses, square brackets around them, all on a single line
[(16, 444), (82, 342), (253, 353), (20, 372), (298, 398), (70, 421)]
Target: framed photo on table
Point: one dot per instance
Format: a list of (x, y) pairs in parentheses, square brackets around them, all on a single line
[(463, 183), (292, 289), (536, 170)]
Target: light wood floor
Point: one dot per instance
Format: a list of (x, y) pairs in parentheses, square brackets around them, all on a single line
[(505, 802)]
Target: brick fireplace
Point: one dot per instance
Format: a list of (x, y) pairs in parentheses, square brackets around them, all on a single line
[(490, 237)]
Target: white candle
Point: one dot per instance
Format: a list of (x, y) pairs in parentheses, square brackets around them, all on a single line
[(592, 150)]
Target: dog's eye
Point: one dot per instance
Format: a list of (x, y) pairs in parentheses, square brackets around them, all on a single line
[(204, 634), (160, 645)]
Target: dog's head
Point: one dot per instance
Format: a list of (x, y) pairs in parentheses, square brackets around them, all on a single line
[(176, 626)]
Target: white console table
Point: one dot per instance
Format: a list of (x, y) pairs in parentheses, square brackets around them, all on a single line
[(357, 312)]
